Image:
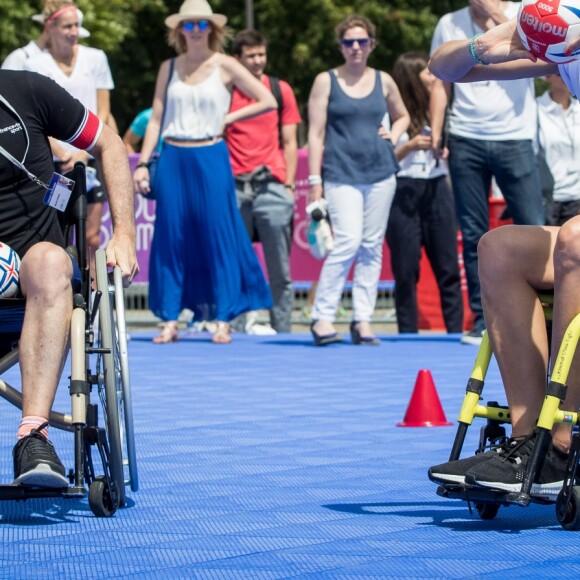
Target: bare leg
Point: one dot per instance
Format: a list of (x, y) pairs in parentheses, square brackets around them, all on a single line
[(45, 277), (566, 307), (515, 262)]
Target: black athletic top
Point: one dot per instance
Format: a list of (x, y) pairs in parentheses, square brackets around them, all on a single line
[(45, 109)]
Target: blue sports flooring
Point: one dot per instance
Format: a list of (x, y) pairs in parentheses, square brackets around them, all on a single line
[(270, 458)]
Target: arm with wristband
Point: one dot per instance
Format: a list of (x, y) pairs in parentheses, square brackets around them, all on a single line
[(317, 114)]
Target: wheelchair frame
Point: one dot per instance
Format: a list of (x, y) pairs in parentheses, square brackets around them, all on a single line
[(115, 442), (487, 501)]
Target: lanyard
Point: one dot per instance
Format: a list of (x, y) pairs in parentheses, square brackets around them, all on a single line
[(13, 159)]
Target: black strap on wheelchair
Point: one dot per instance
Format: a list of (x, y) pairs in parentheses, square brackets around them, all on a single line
[(557, 390), (80, 388)]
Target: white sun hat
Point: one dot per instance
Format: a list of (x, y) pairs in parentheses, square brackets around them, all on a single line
[(195, 10)]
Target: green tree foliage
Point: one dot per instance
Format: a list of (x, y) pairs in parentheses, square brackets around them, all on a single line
[(300, 32)]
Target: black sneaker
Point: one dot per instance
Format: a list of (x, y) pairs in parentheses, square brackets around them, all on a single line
[(474, 337), (454, 471), (505, 472), (36, 463)]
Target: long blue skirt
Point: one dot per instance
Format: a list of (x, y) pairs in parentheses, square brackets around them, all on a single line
[(201, 255)]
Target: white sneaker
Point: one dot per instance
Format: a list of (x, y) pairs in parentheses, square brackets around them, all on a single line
[(473, 337), (252, 327)]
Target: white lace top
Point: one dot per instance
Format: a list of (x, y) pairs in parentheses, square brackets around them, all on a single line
[(195, 111)]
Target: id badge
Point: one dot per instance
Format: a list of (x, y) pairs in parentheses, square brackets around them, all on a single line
[(59, 191)]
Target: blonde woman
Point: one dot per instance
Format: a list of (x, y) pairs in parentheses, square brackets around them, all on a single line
[(84, 73), (346, 110), (201, 256)]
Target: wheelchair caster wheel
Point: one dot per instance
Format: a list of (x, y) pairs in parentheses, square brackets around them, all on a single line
[(100, 500), (487, 511), (569, 515)]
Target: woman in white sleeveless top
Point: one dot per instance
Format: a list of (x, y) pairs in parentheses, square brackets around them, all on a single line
[(201, 256)]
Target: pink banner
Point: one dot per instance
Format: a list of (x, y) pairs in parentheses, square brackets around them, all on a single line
[(304, 267)]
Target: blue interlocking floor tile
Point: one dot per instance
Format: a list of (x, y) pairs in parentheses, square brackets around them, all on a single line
[(269, 458)]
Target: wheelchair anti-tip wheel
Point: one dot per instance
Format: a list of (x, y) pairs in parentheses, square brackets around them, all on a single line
[(113, 381), (100, 500), (487, 511), (568, 513)]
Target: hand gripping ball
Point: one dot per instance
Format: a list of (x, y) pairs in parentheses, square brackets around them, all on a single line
[(546, 26)]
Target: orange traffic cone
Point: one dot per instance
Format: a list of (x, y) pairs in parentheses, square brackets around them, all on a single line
[(424, 408)]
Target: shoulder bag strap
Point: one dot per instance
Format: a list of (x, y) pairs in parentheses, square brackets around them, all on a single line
[(276, 91)]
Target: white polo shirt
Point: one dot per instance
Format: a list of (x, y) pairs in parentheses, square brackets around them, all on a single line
[(487, 110), (560, 138)]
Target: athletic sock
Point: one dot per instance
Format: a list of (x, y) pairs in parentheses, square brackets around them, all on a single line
[(30, 422)]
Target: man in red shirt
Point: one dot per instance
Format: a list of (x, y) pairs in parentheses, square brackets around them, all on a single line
[(263, 152)]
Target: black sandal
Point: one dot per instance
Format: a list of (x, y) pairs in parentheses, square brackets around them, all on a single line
[(364, 340), (324, 339)]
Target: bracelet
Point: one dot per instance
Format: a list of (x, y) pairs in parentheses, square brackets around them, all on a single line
[(290, 186), (314, 180), (472, 50), (143, 164)]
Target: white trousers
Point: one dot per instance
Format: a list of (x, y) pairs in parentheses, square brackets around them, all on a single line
[(358, 215)]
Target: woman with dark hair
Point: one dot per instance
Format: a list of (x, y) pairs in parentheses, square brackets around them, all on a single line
[(201, 256), (423, 213), (357, 167)]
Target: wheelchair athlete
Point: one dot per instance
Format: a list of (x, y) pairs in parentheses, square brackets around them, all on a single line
[(514, 263), (32, 108)]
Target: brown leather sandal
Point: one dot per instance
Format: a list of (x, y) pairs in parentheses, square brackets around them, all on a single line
[(169, 333), (223, 334)]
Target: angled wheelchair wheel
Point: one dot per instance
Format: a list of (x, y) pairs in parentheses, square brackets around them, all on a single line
[(568, 514), (124, 398), (108, 381)]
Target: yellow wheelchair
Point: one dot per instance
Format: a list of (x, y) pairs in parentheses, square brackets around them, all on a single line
[(99, 362), (488, 501)]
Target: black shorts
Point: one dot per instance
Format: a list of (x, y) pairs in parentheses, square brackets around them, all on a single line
[(12, 313)]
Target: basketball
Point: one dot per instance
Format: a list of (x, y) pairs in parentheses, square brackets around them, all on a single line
[(9, 272), (546, 26)]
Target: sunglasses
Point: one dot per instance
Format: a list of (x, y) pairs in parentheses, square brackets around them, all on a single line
[(349, 42), (202, 25)]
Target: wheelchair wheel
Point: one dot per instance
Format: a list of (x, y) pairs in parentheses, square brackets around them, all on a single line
[(487, 511), (125, 400), (100, 500), (108, 379), (569, 515)]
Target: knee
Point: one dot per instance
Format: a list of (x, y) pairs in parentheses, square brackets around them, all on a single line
[(494, 256), (347, 245), (567, 249), (46, 270)]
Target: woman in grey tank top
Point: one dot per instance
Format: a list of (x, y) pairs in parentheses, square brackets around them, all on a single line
[(354, 167)]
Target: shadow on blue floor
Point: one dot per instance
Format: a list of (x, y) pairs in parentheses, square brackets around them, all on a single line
[(269, 458)]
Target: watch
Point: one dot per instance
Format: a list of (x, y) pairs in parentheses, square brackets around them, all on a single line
[(290, 186)]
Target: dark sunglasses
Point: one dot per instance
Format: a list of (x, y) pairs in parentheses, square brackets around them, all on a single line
[(349, 42), (202, 25)]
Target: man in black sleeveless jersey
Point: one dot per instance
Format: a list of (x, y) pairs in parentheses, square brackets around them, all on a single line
[(32, 108)]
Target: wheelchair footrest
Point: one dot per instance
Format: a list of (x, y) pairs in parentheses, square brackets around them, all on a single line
[(474, 494), (22, 492)]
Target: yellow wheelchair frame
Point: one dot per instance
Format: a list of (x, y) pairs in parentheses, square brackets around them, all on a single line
[(488, 501)]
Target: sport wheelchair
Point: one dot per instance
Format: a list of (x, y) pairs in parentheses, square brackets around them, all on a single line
[(487, 501), (99, 361)]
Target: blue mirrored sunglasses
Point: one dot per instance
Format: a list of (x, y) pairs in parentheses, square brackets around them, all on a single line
[(202, 25), (349, 42)]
